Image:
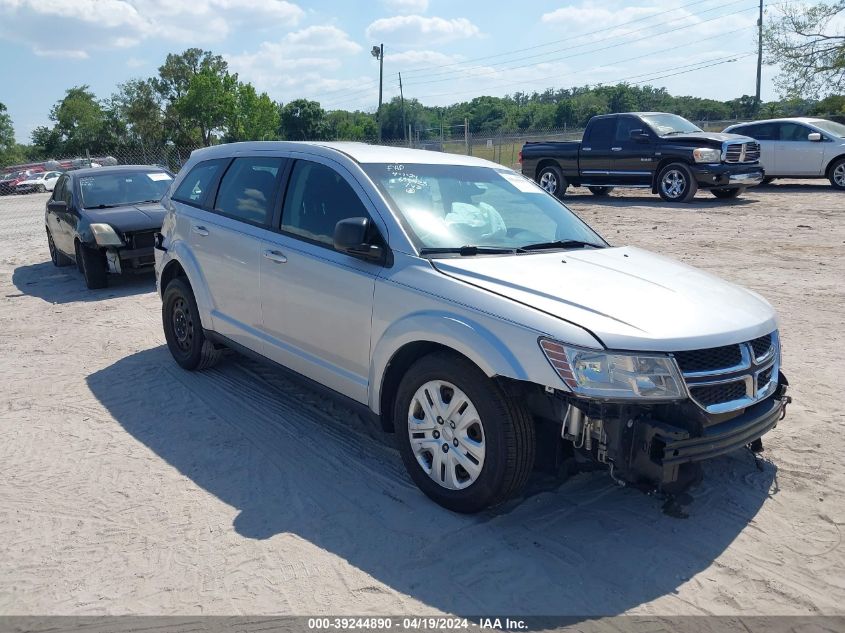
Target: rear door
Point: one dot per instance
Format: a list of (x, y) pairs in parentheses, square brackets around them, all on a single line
[(795, 155), (633, 162), (317, 303), (225, 234), (766, 134), (596, 157)]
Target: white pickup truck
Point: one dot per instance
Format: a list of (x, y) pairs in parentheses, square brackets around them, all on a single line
[(799, 148)]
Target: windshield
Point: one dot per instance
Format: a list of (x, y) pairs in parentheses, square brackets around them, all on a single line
[(453, 206), (664, 124), (119, 188), (831, 127)]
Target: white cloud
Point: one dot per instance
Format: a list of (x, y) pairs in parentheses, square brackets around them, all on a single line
[(296, 65), (109, 24), (412, 58), (60, 53), (416, 29), (406, 6)]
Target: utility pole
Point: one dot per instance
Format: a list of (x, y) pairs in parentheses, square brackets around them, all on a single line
[(402, 101), (378, 53), (759, 52)]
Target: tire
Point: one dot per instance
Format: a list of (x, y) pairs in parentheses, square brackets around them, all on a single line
[(551, 179), (768, 180), (40, 188), (837, 174), (183, 329), (58, 258), (93, 264), (725, 194), (600, 191), (675, 183), (499, 434)]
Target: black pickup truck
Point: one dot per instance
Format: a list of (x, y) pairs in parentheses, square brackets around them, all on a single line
[(662, 152)]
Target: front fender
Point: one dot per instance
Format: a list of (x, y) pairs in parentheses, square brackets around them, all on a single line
[(179, 252), (458, 332)]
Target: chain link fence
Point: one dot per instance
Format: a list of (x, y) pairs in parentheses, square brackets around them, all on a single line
[(500, 147)]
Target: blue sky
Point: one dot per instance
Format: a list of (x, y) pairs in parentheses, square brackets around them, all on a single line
[(447, 50)]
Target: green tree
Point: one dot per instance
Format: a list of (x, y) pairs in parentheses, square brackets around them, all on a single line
[(208, 103), (138, 104), (80, 122), (254, 117), (302, 120), (808, 44), (7, 136)]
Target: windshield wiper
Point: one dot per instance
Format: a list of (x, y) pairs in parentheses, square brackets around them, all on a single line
[(145, 201), (468, 250), (105, 206), (561, 244)]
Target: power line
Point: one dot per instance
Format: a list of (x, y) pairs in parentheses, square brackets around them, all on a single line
[(569, 39)]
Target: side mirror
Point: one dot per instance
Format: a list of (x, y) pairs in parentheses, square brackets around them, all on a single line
[(351, 237), (814, 136), (640, 136), (57, 206)]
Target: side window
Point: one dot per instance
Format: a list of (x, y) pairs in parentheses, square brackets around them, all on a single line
[(793, 132), (317, 199), (194, 187), (59, 189), (248, 189), (759, 131), (600, 133), (624, 126)]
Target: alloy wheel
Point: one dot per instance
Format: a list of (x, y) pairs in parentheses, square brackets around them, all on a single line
[(548, 181), (839, 175), (673, 184), (447, 436)]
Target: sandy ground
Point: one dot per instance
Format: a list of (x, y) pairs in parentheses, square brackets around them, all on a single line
[(130, 486)]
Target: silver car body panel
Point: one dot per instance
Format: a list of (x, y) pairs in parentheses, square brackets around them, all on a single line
[(340, 320)]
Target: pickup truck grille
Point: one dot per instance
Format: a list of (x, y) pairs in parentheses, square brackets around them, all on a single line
[(731, 377), (742, 152)]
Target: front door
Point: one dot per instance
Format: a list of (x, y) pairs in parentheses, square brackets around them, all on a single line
[(795, 155), (317, 303), (634, 160)]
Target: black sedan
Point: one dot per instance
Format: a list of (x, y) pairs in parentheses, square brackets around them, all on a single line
[(105, 219)]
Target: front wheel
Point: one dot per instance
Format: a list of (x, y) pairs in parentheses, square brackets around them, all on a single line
[(600, 191), (183, 328), (551, 179), (725, 194), (675, 183), (466, 444), (837, 174), (93, 264)]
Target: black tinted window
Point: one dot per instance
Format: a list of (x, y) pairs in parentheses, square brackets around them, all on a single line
[(624, 127), (793, 132), (317, 199), (759, 131), (248, 189), (600, 132), (59, 189), (195, 185)]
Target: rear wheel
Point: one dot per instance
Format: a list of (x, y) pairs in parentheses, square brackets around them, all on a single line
[(41, 188), (600, 191), (56, 256), (93, 264), (464, 442), (183, 328), (675, 183), (551, 179), (837, 174), (725, 194)]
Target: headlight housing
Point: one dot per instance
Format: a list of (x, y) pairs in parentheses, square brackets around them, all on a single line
[(615, 375), (105, 235), (707, 155)]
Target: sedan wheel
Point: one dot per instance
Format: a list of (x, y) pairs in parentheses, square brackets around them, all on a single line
[(446, 435), (837, 174)]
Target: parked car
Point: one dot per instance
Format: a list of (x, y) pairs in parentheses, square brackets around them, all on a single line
[(471, 312), (650, 150), (39, 182), (105, 220), (799, 147), (9, 182)]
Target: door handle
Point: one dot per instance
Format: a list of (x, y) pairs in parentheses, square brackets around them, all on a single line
[(199, 230), (615, 149), (275, 256)]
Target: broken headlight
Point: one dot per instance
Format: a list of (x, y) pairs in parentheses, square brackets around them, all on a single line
[(615, 375)]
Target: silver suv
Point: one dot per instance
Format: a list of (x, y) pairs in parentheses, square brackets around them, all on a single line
[(474, 314)]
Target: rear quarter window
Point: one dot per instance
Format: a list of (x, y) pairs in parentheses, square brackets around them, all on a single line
[(195, 187)]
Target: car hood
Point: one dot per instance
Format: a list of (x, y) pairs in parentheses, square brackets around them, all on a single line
[(136, 217), (628, 298), (715, 137)]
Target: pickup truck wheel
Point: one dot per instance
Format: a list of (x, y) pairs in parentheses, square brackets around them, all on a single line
[(728, 193), (57, 257), (837, 174), (600, 191), (551, 179), (93, 263), (466, 444), (183, 329), (675, 183)]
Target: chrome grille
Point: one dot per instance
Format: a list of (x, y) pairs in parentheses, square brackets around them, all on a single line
[(731, 377), (742, 152)]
